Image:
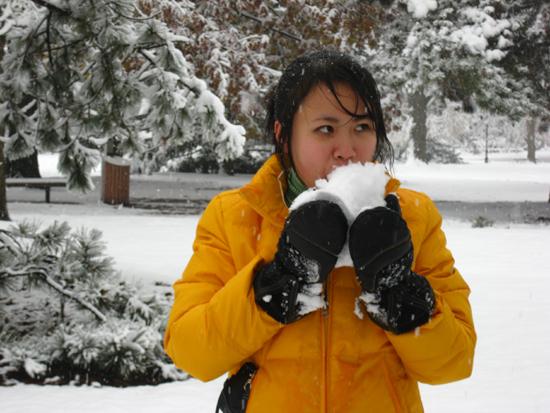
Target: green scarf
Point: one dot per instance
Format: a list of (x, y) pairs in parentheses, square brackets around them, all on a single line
[(295, 186)]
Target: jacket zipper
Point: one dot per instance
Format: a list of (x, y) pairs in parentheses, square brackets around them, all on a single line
[(325, 320)]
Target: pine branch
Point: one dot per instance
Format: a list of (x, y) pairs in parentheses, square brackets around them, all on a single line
[(151, 46), (150, 59), (35, 35), (52, 7), (137, 19), (53, 49), (10, 243), (41, 272), (48, 41), (141, 52)]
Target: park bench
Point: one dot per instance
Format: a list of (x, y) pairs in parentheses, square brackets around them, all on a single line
[(40, 183)]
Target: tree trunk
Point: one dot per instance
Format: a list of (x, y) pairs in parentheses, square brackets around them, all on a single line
[(530, 139), (4, 216), (24, 167), (419, 131)]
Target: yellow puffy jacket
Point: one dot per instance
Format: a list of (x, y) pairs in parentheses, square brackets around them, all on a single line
[(328, 361)]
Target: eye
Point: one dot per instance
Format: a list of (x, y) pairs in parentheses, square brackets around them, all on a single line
[(363, 127), (325, 129)]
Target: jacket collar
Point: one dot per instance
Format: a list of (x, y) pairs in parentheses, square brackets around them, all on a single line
[(265, 192)]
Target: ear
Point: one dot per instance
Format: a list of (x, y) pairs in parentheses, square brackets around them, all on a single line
[(277, 128)]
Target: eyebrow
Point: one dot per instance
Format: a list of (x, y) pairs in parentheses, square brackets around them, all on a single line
[(326, 118), (332, 119)]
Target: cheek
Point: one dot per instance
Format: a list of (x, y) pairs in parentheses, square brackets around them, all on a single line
[(311, 159), (366, 150)]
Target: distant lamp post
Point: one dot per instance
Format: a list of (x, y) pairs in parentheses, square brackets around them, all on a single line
[(487, 143)]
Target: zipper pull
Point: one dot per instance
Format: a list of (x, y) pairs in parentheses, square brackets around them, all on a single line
[(325, 297)]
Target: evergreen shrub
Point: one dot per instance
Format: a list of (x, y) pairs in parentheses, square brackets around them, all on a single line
[(202, 158), (482, 222), (438, 152), (66, 315)]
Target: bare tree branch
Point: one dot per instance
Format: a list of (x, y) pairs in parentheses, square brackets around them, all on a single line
[(282, 32)]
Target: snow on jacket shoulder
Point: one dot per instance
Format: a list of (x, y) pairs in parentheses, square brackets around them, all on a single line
[(325, 362)]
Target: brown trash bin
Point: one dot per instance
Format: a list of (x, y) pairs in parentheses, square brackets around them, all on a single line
[(115, 181)]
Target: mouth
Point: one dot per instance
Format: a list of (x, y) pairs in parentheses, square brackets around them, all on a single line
[(338, 165)]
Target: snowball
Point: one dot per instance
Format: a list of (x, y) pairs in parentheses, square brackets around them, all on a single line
[(354, 188)]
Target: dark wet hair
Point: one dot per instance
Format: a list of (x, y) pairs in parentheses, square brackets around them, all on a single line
[(327, 67)]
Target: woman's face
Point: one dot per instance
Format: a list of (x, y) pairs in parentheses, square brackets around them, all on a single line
[(324, 136)]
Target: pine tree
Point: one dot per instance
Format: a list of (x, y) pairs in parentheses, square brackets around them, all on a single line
[(77, 76), (528, 54), (444, 50)]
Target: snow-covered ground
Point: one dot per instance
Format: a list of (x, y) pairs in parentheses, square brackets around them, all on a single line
[(507, 267), (507, 177)]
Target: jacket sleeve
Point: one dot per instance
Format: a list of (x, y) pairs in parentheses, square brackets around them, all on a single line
[(442, 350), (215, 323)]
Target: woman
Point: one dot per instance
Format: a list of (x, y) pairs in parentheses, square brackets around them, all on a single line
[(236, 308)]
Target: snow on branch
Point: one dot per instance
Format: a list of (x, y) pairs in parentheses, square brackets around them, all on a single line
[(420, 8), (103, 73), (34, 270)]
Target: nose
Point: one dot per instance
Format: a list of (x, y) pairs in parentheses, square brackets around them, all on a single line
[(344, 149)]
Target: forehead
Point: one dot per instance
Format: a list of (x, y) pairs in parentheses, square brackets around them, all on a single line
[(343, 98)]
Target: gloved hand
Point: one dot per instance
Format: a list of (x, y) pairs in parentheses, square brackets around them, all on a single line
[(397, 299), (308, 249)]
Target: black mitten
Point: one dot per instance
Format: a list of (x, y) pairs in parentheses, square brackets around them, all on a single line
[(313, 236), (397, 299)]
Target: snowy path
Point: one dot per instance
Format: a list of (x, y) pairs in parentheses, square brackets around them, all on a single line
[(506, 266)]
